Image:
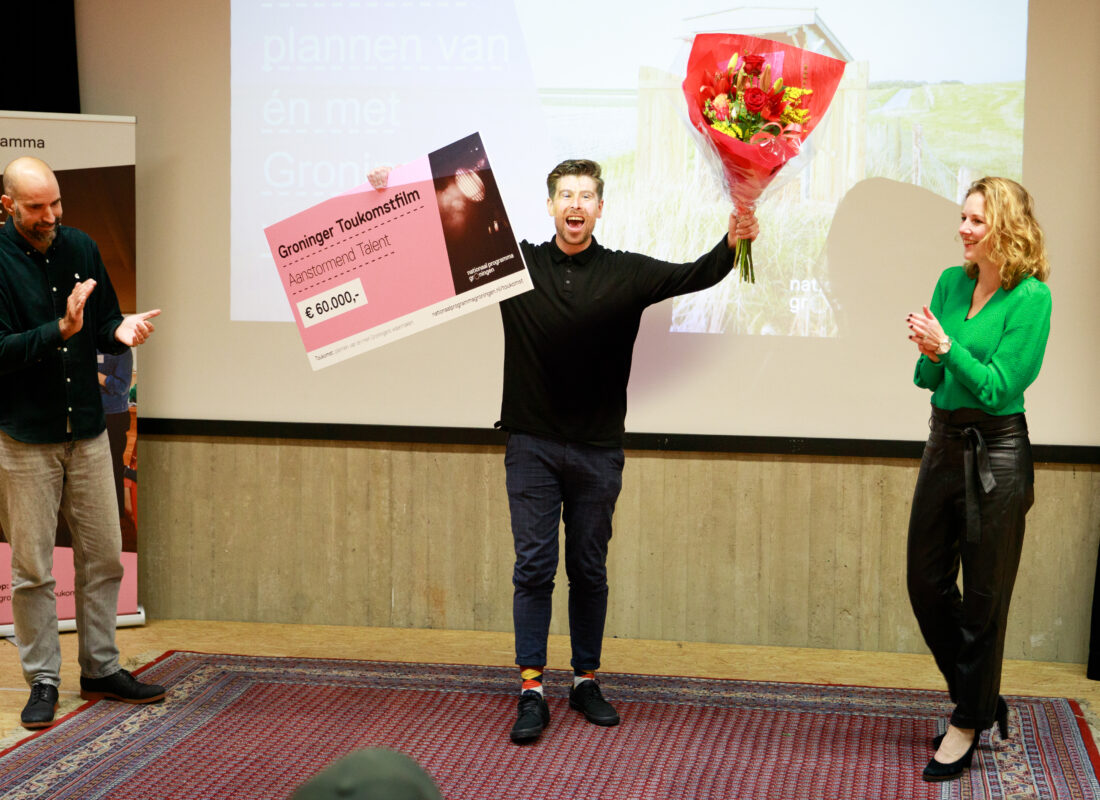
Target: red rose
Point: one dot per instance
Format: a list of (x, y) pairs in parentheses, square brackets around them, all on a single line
[(754, 99), (753, 65)]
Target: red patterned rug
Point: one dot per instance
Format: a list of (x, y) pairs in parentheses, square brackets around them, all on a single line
[(256, 727)]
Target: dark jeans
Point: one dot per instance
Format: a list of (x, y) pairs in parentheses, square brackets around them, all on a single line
[(975, 486), (548, 482)]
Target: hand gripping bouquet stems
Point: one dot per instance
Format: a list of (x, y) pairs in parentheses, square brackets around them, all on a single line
[(755, 101)]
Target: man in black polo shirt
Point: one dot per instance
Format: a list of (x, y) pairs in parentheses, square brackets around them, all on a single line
[(567, 353), (568, 346), (57, 307)]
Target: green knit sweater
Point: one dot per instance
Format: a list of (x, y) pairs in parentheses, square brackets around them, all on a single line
[(995, 355)]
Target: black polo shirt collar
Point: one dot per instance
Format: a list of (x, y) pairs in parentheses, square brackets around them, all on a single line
[(582, 258)]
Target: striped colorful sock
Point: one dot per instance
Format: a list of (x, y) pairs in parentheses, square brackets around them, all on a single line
[(532, 679), (582, 675)]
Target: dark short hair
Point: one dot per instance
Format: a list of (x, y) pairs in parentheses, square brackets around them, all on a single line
[(575, 166)]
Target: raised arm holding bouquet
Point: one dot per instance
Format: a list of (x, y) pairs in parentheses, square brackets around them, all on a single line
[(755, 101)]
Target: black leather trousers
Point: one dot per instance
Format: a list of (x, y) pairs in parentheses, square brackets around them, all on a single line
[(975, 486)]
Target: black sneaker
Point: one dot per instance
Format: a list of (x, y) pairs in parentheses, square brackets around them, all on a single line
[(120, 686), (39, 710), (534, 716), (587, 698)]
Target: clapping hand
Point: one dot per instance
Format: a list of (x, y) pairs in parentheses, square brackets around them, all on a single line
[(926, 332)]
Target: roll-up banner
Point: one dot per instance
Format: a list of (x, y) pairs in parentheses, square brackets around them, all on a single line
[(93, 158)]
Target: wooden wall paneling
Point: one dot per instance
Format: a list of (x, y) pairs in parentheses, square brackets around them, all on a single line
[(672, 536), (891, 623), (361, 568), (747, 549), (468, 527), (458, 515), (657, 575), (373, 473), (874, 528), (625, 559), (182, 541), (1081, 558), (828, 495), (785, 522), (208, 582), (711, 601), (327, 527), (491, 551), (751, 603), (499, 554), (280, 535), (1029, 622), (690, 534), (162, 582), (410, 520), (1057, 566)]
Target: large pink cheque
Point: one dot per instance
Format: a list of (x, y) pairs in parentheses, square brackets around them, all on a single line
[(368, 267)]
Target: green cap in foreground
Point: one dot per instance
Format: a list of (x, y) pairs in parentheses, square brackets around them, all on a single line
[(373, 774)]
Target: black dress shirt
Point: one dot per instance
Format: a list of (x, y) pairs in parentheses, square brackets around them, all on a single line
[(49, 389), (569, 342)]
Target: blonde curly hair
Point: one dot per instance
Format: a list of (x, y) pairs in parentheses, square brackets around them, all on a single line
[(1015, 240)]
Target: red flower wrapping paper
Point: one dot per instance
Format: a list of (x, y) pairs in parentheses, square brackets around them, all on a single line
[(755, 101)]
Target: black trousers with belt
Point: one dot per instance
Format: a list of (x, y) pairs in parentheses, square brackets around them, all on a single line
[(975, 486)]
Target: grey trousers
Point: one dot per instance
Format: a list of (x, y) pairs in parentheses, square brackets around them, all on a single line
[(37, 482)]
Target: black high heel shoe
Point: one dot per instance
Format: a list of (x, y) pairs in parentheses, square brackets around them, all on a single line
[(938, 771), (1000, 720)]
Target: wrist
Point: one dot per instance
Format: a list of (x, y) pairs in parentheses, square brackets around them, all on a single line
[(944, 346)]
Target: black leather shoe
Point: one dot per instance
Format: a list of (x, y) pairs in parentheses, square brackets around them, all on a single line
[(120, 686), (534, 716), (39, 710), (587, 698), (938, 771)]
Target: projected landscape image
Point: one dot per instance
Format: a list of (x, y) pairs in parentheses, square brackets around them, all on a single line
[(930, 97), (913, 109)]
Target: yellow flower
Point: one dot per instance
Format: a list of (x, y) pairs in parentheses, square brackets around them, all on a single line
[(794, 116), (728, 128)]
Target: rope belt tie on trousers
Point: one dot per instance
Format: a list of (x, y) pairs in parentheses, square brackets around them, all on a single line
[(976, 451), (976, 427)]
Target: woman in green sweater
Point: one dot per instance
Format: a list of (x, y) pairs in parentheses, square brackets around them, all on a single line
[(981, 342)]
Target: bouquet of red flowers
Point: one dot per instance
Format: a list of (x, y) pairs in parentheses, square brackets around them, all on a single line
[(755, 101)]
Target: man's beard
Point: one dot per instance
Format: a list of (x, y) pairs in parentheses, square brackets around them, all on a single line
[(32, 234)]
